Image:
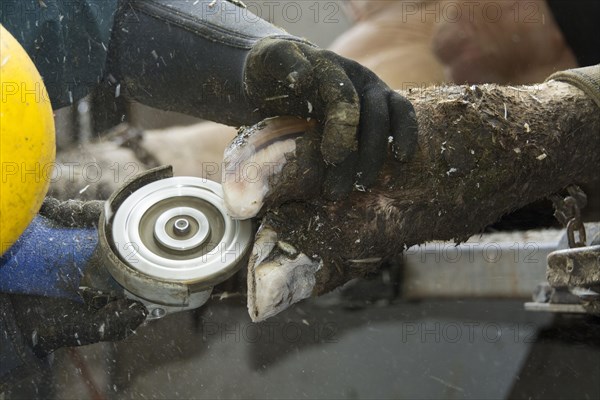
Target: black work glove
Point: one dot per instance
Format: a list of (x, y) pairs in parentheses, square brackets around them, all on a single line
[(56, 320), (214, 59), (360, 113), (50, 323)]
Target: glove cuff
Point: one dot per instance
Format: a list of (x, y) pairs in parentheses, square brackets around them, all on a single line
[(17, 360), (586, 79), (47, 260), (188, 56)]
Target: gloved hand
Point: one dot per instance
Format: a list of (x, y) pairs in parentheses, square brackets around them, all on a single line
[(42, 271), (51, 323), (360, 113), (216, 60)]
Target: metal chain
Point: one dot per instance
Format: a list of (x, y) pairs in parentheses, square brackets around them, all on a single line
[(567, 211)]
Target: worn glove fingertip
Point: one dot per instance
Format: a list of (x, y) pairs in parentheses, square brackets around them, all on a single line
[(338, 142), (135, 312), (339, 180), (373, 136), (404, 149), (367, 177), (404, 126), (121, 317)]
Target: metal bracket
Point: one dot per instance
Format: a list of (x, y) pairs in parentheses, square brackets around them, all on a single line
[(573, 280)]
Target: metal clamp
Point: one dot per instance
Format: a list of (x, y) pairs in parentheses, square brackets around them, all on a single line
[(573, 277)]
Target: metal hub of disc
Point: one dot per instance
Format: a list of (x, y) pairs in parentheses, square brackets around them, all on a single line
[(177, 229)]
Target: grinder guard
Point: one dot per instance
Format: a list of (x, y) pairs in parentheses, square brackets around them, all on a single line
[(183, 280)]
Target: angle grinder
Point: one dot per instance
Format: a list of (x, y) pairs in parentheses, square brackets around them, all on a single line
[(167, 241)]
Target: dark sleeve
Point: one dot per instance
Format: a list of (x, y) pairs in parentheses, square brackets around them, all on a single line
[(578, 20), (66, 39), (188, 56)]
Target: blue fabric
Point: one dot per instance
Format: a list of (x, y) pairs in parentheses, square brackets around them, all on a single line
[(47, 260)]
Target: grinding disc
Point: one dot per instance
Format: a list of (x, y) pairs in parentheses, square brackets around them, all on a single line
[(177, 230)]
